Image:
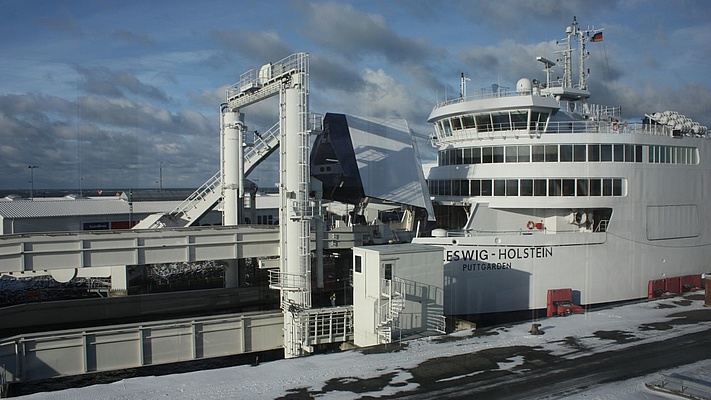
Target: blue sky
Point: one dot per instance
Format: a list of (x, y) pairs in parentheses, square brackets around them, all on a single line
[(98, 93)]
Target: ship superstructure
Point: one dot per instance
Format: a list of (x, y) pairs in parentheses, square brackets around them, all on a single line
[(537, 188)]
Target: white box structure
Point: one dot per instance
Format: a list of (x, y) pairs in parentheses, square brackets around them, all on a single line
[(398, 291)]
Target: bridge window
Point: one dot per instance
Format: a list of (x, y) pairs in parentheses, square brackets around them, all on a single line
[(468, 121)]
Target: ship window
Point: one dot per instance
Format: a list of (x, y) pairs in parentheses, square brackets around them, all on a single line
[(605, 152), (475, 187), (551, 152), (512, 187), (566, 152), (519, 119), (526, 187), (607, 187), (568, 187), (638, 153), (456, 124), (617, 187), (579, 153), (499, 187), (468, 121), (694, 156), (619, 152), (498, 154), (511, 154), (539, 187), (483, 123), (441, 157), (446, 128), (538, 152), (664, 153), (595, 187), (582, 187), (456, 188), (487, 155), (593, 152), (443, 190), (538, 120), (457, 156), (501, 122), (357, 264), (468, 156), (464, 187), (476, 155), (629, 155), (486, 187), (524, 153), (555, 187), (431, 187)]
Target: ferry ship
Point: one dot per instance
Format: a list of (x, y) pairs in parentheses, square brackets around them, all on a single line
[(537, 189)]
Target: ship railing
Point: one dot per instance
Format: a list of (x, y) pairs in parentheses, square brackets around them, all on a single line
[(504, 131), (484, 93)]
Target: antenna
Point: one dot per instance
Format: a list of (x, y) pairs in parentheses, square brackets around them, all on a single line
[(463, 87)]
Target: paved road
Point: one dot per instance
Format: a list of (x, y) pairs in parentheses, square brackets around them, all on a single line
[(557, 377)]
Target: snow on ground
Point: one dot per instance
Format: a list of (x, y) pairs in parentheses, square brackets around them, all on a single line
[(274, 379)]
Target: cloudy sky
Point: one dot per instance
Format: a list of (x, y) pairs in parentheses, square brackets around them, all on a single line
[(101, 94)]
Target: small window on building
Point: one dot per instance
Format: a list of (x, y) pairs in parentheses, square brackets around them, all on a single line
[(358, 264), (388, 271), (539, 187)]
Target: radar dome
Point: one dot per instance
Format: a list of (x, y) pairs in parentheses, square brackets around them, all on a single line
[(524, 86)]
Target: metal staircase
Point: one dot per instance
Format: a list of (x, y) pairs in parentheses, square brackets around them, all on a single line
[(392, 302), (207, 196)]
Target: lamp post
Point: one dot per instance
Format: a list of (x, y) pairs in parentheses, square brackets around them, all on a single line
[(32, 179), (160, 170)]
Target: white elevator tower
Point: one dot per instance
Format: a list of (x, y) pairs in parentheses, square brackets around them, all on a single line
[(289, 78)]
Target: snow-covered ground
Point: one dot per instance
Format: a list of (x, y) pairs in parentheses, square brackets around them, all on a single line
[(312, 374)]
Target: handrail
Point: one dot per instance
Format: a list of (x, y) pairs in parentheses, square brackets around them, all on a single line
[(197, 195)]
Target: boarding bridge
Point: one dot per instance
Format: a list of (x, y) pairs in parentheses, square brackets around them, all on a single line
[(207, 196), (22, 255)]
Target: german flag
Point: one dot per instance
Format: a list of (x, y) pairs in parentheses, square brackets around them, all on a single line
[(596, 37)]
